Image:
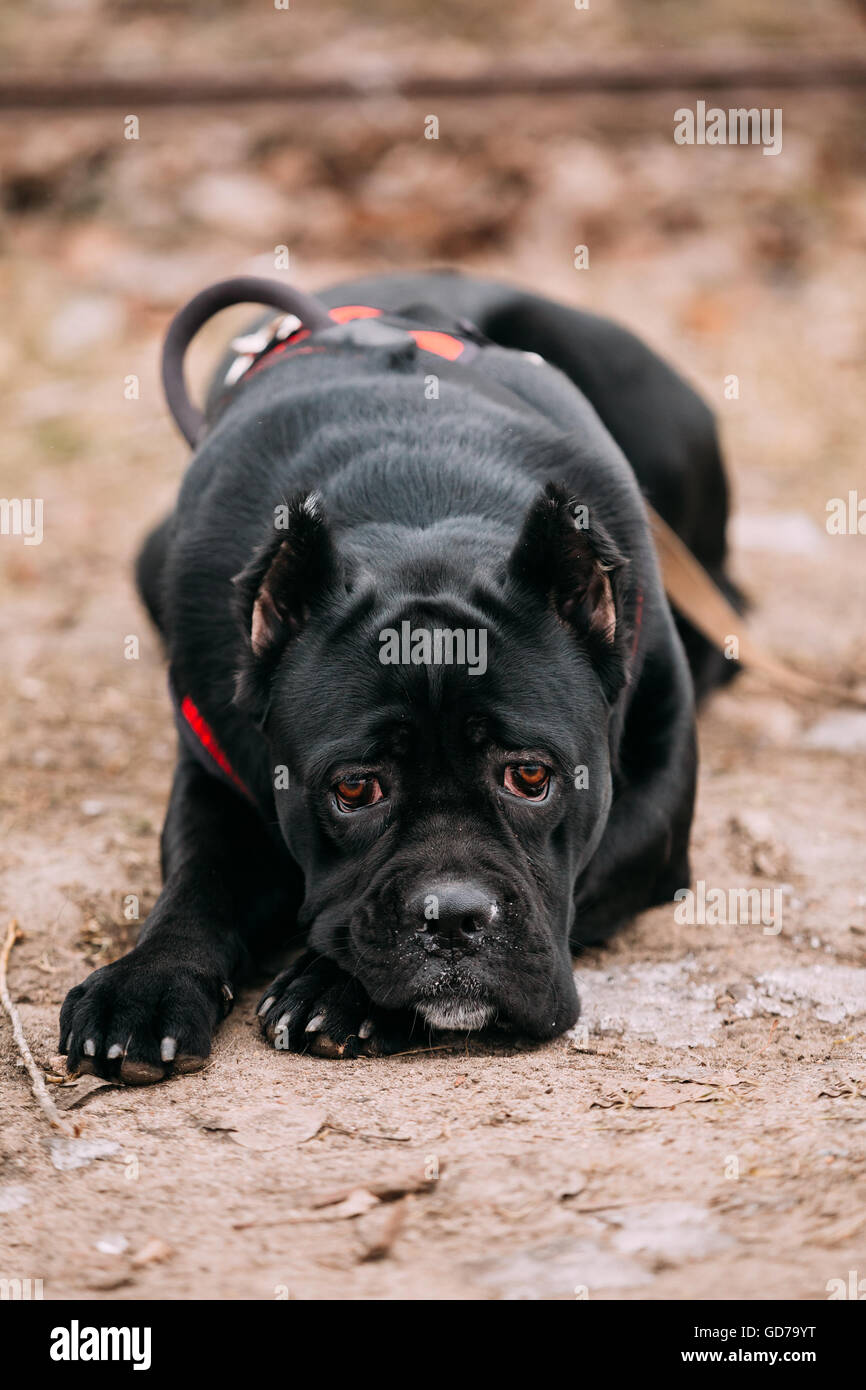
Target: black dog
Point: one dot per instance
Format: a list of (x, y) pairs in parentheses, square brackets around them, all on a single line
[(435, 711)]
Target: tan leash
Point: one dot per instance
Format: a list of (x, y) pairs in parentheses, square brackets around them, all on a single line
[(694, 595)]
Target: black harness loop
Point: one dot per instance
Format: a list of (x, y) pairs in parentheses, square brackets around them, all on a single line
[(241, 289)]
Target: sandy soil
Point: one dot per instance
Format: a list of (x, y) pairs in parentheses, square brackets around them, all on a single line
[(704, 1134)]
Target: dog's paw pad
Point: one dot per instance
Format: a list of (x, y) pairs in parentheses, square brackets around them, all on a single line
[(185, 1063), (324, 1046), (139, 1073)]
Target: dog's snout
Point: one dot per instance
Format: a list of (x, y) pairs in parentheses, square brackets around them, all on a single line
[(453, 913)]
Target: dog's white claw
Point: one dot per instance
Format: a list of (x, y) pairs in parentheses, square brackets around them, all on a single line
[(69, 1043), (114, 1051), (167, 1049), (283, 1023), (315, 1024), (90, 1048), (268, 1004), (366, 1028)]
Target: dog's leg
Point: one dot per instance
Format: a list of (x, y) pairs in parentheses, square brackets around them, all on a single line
[(225, 880)]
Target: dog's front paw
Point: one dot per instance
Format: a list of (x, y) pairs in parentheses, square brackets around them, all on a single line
[(142, 1018), (314, 1006)]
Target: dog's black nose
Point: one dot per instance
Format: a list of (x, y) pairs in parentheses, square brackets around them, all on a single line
[(455, 912)]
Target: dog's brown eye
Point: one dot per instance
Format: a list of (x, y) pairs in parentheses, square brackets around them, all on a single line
[(354, 792), (529, 780)]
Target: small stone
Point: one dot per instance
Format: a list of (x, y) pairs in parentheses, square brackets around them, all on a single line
[(112, 1245), (67, 1154), (14, 1196)]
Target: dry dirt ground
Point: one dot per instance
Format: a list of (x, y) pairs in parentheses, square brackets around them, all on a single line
[(705, 1134)]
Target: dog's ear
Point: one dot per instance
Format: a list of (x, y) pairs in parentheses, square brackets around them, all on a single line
[(276, 591), (570, 559)]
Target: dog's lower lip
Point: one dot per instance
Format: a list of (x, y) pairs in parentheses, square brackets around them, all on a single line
[(464, 1012)]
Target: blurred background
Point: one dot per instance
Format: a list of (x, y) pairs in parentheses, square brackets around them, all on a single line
[(728, 262)]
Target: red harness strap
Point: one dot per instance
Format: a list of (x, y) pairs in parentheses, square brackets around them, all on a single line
[(210, 743)]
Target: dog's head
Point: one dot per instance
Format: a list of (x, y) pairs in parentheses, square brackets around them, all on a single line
[(437, 705)]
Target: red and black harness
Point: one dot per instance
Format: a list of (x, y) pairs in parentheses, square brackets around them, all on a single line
[(446, 345)]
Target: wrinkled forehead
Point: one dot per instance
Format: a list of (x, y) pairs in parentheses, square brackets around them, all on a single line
[(408, 679)]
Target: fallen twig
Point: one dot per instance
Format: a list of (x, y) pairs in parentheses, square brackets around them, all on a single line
[(40, 1090), (773, 1026), (359, 1134)]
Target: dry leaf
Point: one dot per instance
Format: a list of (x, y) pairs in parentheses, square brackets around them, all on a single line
[(658, 1095), (263, 1128), (348, 1202), (81, 1091), (386, 1189), (358, 1201), (665, 1095), (847, 1088), (380, 1228)]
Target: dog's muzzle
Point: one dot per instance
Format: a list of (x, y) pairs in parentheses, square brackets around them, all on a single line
[(454, 920)]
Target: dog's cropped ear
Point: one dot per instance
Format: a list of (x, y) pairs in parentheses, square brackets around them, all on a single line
[(275, 593), (570, 559)]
